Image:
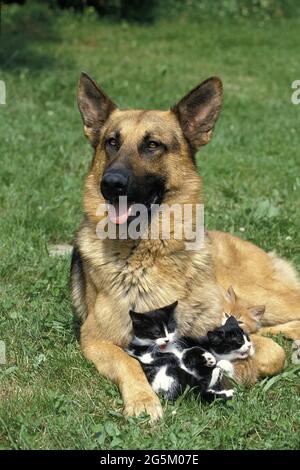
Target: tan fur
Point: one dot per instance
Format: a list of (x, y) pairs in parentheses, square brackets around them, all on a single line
[(249, 315), (284, 270), (114, 276), (142, 275), (246, 371), (114, 363), (269, 358), (289, 330), (257, 275)]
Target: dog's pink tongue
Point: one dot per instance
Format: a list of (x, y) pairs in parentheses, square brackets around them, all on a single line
[(118, 214)]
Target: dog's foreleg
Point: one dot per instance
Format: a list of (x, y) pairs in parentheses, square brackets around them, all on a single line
[(114, 363)]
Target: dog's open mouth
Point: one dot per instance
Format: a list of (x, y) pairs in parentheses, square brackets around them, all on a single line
[(119, 213), (122, 210)]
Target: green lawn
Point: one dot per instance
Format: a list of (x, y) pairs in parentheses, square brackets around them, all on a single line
[(50, 397)]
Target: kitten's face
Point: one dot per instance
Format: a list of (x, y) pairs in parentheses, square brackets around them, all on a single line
[(248, 316), (157, 328), (230, 341)]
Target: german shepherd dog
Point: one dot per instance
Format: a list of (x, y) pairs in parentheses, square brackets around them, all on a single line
[(149, 156)]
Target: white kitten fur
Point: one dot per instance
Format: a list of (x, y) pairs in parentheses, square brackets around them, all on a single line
[(162, 381), (226, 366)]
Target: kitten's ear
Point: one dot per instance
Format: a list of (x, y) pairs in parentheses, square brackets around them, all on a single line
[(135, 317), (230, 296), (170, 308), (225, 317), (257, 311), (198, 111), (94, 106), (232, 322)]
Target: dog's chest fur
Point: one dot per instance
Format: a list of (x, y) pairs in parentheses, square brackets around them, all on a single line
[(146, 276)]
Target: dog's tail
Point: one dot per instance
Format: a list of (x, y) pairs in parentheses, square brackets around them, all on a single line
[(284, 271)]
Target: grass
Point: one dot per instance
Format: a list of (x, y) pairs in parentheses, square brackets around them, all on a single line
[(50, 397)]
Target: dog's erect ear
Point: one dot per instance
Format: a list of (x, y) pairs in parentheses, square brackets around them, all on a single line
[(94, 106), (198, 111)]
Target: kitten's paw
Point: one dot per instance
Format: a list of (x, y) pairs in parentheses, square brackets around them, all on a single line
[(227, 367), (296, 352), (210, 359), (229, 394), (216, 376), (224, 394)]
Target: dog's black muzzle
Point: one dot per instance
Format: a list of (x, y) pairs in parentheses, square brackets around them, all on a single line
[(115, 183)]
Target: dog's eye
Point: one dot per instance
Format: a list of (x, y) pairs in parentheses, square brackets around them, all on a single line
[(152, 145), (112, 142)]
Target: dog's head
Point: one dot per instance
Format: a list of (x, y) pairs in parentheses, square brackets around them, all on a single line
[(147, 156)]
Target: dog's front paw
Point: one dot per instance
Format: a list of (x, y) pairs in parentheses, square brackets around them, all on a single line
[(296, 352), (144, 402), (210, 360), (227, 367)]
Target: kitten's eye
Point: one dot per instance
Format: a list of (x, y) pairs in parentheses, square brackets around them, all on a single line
[(217, 339)]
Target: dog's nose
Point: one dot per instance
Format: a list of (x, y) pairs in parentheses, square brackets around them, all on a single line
[(114, 184)]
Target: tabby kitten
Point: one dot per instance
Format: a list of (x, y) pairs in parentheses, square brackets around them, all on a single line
[(248, 316)]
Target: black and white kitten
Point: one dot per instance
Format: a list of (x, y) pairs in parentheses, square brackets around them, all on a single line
[(226, 342), (168, 365), (171, 363)]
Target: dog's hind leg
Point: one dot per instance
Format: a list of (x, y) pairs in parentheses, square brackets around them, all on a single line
[(269, 357), (289, 330), (268, 360), (282, 306), (115, 364), (257, 277)]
